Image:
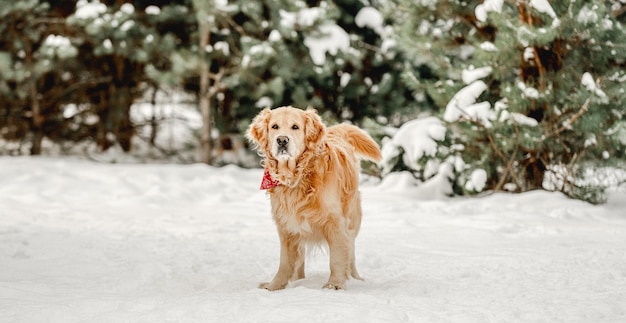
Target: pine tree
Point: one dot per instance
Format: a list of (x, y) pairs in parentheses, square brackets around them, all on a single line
[(111, 41), (548, 79), (318, 54), (35, 53)]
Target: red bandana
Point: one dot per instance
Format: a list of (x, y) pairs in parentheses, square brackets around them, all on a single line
[(268, 182)]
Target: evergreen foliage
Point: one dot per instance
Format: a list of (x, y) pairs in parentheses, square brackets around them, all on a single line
[(549, 84), (531, 91), (34, 57), (258, 53)]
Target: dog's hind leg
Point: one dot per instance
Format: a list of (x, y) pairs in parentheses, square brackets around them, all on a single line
[(339, 249), (353, 231)]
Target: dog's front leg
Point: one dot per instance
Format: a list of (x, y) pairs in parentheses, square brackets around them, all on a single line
[(289, 244)]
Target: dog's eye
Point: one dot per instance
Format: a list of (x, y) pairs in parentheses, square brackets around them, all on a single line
[(295, 127), (275, 126)]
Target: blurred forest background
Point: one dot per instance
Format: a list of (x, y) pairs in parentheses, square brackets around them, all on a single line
[(514, 95)]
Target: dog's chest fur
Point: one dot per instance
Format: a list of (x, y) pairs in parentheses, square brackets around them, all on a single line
[(303, 214), (294, 224), (291, 214)]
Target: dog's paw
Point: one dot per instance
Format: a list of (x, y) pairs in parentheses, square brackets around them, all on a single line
[(269, 286), (334, 286)]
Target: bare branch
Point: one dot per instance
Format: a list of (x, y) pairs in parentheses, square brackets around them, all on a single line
[(575, 117)]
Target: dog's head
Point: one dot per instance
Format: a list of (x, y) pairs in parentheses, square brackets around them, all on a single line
[(286, 132)]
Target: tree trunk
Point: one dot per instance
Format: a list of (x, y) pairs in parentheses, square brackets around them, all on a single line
[(35, 105), (38, 119), (205, 97), (120, 115), (533, 75), (154, 123)]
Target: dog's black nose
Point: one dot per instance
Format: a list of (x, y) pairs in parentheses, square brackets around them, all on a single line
[(282, 141)]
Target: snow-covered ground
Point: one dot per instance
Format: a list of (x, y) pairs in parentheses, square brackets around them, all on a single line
[(88, 242)]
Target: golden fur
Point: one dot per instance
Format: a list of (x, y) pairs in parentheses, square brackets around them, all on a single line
[(317, 200)]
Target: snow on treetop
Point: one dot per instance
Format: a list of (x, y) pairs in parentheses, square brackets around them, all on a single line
[(488, 6), (88, 10), (370, 17), (484, 8), (305, 17), (59, 46), (544, 6), (264, 102), (57, 41), (153, 10), (331, 40), (127, 8)]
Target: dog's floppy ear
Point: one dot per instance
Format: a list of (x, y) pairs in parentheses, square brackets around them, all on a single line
[(315, 131), (257, 132)]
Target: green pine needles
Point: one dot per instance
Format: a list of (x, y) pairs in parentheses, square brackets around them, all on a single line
[(535, 90)]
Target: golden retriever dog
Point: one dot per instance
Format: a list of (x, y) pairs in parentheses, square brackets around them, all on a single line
[(314, 197)]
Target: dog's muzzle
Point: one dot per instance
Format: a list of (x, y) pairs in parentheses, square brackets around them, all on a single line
[(282, 142)]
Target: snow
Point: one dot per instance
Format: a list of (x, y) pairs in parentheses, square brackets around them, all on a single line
[(528, 91), (488, 46), (587, 15), (344, 79), (89, 10), (88, 242), (127, 25), (417, 138), (481, 112), (472, 74), (331, 39), (153, 10), (466, 97), (587, 81), (486, 7), (305, 17), (477, 181), (223, 47), (57, 41), (370, 17), (387, 45), (127, 8), (544, 6), (264, 102), (519, 119), (60, 46), (107, 44), (529, 54), (274, 36)]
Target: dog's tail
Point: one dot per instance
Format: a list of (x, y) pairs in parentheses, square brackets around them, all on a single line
[(364, 146)]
